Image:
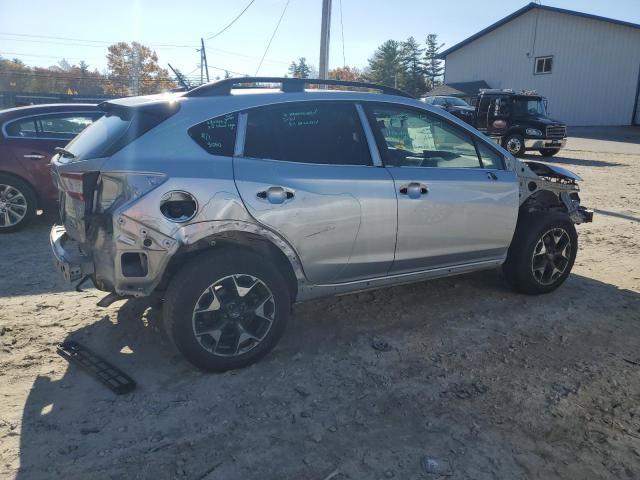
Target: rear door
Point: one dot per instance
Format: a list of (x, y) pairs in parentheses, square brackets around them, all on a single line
[(456, 202), (32, 141), (306, 171)]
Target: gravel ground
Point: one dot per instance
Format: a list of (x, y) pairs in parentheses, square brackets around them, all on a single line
[(479, 382)]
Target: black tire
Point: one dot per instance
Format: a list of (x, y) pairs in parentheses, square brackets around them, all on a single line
[(514, 144), (527, 274), (549, 152), (189, 287), (27, 202)]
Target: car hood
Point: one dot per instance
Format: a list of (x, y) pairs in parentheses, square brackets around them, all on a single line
[(544, 120), (462, 109), (554, 171)]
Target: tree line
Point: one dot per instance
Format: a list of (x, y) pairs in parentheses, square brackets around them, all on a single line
[(405, 65), (132, 68)]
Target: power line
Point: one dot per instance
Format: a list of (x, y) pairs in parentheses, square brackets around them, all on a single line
[(232, 21), (103, 42), (273, 35)]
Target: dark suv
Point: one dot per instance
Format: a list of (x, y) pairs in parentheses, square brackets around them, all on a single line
[(29, 136)]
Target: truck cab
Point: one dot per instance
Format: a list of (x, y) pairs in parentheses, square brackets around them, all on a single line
[(519, 122)]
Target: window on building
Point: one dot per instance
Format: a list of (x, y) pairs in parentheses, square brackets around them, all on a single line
[(307, 132), (218, 135), (543, 65)]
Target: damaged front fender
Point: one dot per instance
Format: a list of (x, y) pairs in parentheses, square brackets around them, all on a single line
[(544, 186)]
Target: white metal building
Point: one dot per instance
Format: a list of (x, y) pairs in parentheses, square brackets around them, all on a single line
[(587, 66)]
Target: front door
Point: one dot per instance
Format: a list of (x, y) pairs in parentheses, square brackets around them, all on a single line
[(306, 172), (456, 202)]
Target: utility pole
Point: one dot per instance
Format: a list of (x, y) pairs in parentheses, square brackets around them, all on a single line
[(325, 34), (203, 59), (135, 72)]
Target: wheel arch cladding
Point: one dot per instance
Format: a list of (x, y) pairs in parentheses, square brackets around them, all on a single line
[(239, 242)]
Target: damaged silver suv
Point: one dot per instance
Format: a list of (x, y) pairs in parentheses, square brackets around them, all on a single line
[(234, 200)]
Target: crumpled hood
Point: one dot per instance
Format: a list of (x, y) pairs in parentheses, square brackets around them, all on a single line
[(546, 170)]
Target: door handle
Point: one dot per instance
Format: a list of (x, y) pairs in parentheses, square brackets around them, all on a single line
[(414, 190), (276, 195), (492, 176), (33, 156)]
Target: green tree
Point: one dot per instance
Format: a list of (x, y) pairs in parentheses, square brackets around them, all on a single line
[(133, 68), (386, 65), (414, 81), (433, 65), (300, 69)]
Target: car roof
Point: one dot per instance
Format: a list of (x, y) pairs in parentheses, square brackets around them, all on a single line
[(46, 108)]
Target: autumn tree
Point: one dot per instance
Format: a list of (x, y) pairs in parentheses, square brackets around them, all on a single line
[(132, 69), (433, 65), (352, 74), (300, 69)]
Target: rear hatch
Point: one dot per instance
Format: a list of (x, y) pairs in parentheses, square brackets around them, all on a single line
[(76, 168)]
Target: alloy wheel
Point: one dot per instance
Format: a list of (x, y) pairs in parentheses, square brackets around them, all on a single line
[(233, 315), (551, 256), (13, 206)]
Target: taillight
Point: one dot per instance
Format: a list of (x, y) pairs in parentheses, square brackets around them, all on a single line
[(499, 124), (73, 184)]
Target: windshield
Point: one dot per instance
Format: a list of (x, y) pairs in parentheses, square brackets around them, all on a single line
[(523, 107), (98, 136), (456, 102)]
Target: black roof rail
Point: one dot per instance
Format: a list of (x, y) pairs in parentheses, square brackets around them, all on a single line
[(288, 85)]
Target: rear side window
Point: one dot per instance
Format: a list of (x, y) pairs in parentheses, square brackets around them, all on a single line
[(307, 132), (218, 135), (64, 126), (25, 127)]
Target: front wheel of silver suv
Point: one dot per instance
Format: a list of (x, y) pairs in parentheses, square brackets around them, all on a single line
[(542, 252), (226, 309)]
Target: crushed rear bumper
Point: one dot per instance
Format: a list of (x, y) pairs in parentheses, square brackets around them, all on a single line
[(67, 258)]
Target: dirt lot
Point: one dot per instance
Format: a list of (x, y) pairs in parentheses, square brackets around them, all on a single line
[(481, 383)]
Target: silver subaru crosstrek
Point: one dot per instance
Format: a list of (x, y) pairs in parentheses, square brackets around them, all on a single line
[(231, 201)]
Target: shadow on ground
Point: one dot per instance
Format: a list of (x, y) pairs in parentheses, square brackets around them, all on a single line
[(487, 383), (581, 162)]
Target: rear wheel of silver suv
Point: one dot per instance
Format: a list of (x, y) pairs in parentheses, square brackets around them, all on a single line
[(226, 309), (17, 203)]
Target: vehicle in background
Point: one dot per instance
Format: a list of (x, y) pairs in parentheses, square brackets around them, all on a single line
[(453, 105), (229, 206), (28, 139), (517, 121)]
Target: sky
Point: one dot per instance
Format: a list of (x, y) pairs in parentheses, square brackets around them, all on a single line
[(173, 29)]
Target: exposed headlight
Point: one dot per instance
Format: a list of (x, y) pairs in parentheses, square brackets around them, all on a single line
[(534, 132)]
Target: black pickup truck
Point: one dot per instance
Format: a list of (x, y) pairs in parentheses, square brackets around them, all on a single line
[(518, 121)]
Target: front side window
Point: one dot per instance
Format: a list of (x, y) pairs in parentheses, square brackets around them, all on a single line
[(523, 107), (218, 135), (307, 132), (411, 138), (543, 65)]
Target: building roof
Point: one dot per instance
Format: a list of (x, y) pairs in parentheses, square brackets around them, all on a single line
[(461, 89), (524, 10)]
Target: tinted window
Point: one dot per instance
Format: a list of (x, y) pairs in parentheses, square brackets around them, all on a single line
[(218, 135), (490, 158), (417, 139), (65, 126), (98, 136), (25, 127), (307, 132)]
